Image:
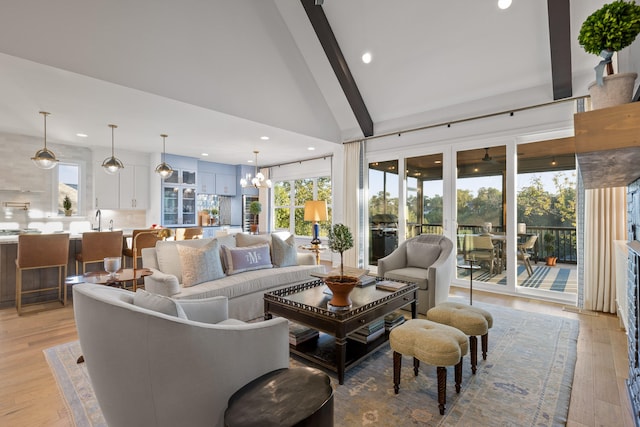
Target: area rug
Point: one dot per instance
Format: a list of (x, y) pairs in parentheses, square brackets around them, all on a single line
[(525, 381), (557, 279)]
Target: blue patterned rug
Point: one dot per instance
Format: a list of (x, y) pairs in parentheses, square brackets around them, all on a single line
[(525, 381)]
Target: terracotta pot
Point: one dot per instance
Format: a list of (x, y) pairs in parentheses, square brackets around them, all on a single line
[(551, 260), (254, 228), (341, 289)]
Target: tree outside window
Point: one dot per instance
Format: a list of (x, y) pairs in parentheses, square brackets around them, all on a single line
[(290, 197)]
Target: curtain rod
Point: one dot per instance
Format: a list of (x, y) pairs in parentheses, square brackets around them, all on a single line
[(299, 161), (468, 119)]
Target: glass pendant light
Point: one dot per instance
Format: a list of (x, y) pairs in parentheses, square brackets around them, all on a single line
[(111, 164), (258, 180), (164, 169), (44, 158)]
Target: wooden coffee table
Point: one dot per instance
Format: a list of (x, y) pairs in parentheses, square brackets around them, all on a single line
[(103, 278), (307, 304)]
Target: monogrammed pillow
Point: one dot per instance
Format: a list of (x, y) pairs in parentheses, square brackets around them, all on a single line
[(246, 258)]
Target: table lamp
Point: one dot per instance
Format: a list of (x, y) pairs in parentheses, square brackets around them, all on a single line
[(315, 210)]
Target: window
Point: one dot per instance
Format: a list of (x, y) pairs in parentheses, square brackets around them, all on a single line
[(290, 196), (68, 185)]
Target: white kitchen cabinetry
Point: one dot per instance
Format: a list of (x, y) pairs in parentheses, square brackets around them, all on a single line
[(128, 189), (225, 185), (134, 187)]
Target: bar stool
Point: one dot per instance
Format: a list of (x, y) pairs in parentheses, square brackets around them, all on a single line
[(96, 246), (41, 251), (188, 233), (141, 239)]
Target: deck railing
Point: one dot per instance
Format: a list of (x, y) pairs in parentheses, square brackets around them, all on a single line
[(560, 242)]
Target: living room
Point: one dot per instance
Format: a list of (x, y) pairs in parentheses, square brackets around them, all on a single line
[(272, 65)]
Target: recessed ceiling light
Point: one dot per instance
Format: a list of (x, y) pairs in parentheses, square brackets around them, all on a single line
[(504, 4), (250, 161), (437, 162), (264, 138), (366, 57), (82, 135), (204, 154), (311, 148)]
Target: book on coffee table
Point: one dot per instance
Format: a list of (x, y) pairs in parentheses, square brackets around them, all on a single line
[(388, 285)]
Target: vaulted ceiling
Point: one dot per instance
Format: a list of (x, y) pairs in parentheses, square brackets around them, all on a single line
[(217, 75)]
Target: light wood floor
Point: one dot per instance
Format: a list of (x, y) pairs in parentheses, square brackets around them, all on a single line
[(29, 395)]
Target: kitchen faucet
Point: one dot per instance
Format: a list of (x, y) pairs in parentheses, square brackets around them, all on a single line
[(99, 218), (110, 225)]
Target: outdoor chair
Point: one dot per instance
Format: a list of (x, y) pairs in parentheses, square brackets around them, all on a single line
[(524, 255), (482, 250)]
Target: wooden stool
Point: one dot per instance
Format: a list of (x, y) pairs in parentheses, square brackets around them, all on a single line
[(434, 344), (469, 319)]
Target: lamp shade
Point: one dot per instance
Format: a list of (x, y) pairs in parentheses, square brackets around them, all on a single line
[(315, 210)]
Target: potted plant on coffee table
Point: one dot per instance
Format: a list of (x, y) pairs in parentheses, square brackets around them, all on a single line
[(607, 30), (340, 240), (255, 208)]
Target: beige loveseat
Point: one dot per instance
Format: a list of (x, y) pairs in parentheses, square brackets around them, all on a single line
[(273, 263)]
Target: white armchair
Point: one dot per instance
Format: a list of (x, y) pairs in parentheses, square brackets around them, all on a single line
[(426, 261), (153, 369)]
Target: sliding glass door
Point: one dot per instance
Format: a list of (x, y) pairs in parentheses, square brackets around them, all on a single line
[(384, 190)]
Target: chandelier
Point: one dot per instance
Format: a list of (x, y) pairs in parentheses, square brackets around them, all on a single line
[(258, 180), (112, 165)]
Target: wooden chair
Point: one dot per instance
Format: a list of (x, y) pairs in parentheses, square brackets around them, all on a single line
[(96, 246), (188, 233), (482, 250), (525, 255), (140, 239), (37, 251)]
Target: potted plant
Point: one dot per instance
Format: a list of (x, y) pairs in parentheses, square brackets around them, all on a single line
[(549, 249), (255, 208), (340, 240), (607, 30), (213, 216), (66, 204)]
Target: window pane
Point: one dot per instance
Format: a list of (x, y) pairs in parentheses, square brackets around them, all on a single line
[(302, 227), (383, 209), (304, 191), (282, 216), (324, 189), (282, 194), (68, 185)]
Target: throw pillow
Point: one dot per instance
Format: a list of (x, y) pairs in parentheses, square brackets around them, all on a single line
[(243, 240), (422, 255), (158, 303), (168, 258), (200, 264), (284, 251), (247, 258)]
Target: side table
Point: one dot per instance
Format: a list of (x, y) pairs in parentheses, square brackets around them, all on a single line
[(470, 267), (316, 249)]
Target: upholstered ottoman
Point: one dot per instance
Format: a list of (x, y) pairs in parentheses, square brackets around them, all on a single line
[(471, 320), (432, 343)]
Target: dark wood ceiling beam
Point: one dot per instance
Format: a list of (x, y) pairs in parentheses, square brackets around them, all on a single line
[(560, 43), (339, 64)]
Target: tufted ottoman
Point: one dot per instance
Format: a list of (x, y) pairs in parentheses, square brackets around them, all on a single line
[(471, 320), (434, 344)]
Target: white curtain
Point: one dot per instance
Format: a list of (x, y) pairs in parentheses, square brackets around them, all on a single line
[(351, 202), (605, 221)]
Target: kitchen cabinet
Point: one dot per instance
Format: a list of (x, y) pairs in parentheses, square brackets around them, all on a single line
[(134, 187), (206, 183), (179, 199), (225, 185), (128, 189)]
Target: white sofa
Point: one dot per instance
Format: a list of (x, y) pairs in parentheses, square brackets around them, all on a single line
[(149, 368), (244, 290)]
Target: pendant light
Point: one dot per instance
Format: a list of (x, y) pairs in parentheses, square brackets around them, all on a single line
[(112, 165), (258, 180), (164, 169), (44, 158)]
